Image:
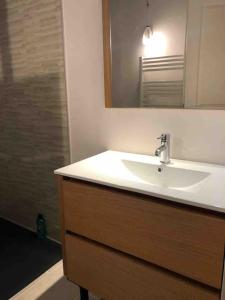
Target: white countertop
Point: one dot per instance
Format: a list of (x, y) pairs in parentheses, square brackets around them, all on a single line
[(135, 172)]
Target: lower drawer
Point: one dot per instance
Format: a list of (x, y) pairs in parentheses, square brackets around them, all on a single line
[(116, 276)]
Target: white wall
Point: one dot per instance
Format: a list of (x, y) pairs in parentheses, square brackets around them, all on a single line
[(196, 135)]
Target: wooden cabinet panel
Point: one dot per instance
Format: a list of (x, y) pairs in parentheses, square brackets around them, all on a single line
[(115, 276), (188, 242)]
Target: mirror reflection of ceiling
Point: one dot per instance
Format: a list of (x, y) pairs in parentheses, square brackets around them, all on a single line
[(168, 53)]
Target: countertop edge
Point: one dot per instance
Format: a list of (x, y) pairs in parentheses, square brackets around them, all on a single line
[(144, 192)]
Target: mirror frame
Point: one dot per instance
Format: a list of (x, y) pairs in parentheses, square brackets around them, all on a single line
[(107, 53)]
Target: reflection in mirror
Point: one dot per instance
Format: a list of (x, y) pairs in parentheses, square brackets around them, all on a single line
[(164, 53)]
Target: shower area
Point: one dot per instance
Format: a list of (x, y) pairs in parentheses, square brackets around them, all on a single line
[(33, 137)]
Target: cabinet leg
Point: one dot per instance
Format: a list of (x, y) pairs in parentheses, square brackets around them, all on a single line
[(83, 294)]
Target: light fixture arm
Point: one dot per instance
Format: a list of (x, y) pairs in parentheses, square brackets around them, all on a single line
[(148, 12)]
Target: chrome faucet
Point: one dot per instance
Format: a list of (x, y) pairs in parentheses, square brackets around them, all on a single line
[(164, 150)]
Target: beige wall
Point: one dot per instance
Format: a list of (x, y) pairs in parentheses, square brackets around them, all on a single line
[(196, 135), (33, 112)]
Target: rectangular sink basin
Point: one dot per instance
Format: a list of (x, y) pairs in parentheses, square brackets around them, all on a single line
[(191, 183)]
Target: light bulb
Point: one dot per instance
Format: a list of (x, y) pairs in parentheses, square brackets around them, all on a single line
[(147, 36)]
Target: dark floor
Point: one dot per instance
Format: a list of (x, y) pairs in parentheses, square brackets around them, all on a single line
[(23, 258)]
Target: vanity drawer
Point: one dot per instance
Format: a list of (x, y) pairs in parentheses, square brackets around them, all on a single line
[(186, 241), (112, 275)]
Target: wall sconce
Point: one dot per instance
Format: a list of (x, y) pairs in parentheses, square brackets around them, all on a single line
[(147, 36), (155, 42)]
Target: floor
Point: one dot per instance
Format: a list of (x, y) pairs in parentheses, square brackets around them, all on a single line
[(52, 285), (23, 258)]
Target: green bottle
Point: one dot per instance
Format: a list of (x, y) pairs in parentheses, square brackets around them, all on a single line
[(41, 227)]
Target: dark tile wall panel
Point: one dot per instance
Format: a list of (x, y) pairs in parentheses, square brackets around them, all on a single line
[(33, 110)]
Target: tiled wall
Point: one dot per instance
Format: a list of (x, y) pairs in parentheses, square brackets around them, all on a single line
[(33, 110)]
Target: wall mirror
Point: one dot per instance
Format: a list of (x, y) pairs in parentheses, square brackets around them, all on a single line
[(164, 53)]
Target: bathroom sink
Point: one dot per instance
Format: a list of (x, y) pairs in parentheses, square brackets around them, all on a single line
[(192, 183), (165, 175)]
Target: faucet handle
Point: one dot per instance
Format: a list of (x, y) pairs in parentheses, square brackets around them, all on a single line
[(164, 137), (160, 137)]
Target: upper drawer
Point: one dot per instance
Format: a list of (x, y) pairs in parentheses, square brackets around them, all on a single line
[(183, 240)]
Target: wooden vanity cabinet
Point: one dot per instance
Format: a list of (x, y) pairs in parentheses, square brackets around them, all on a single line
[(123, 245)]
